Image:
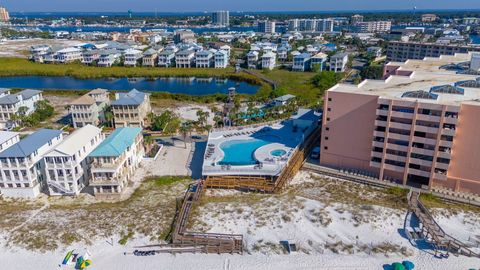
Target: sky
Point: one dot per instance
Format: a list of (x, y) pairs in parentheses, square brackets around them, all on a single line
[(232, 5)]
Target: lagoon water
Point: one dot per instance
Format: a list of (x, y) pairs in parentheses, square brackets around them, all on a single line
[(190, 85)]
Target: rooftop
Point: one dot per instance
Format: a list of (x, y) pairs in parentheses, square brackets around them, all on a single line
[(115, 144), (134, 97), (75, 141), (437, 84), (7, 135), (33, 142), (13, 98)]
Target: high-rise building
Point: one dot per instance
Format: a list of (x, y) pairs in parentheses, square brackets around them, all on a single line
[(221, 18), (374, 26), (266, 27), (4, 16), (416, 127), (356, 19), (325, 25), (402, 51)]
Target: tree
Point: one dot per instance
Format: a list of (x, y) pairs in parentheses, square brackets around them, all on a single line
[(148, 141), (108, 114), (326, 79), (184, 129)]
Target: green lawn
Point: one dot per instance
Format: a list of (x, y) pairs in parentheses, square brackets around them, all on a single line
[(295, 83)]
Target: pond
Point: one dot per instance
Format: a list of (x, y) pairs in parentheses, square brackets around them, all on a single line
[(174, 85)]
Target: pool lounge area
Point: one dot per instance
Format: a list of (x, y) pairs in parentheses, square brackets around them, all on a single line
[(261, 150)]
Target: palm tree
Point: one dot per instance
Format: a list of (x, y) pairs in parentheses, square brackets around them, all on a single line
[(148, 141), (108, 114), (184, 129)]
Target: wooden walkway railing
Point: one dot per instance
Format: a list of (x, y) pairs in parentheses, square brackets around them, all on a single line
[(209, 242), (433, 233)]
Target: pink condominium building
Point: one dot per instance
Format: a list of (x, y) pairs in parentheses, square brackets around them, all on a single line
[(420, 126)]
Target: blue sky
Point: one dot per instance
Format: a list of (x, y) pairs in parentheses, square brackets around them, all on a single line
[(232, 5)]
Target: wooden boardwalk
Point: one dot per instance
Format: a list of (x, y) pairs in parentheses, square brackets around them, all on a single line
[(433, 233), (201, 242)]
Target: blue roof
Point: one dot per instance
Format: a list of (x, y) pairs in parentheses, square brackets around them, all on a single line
[(133, 97), (33, 142), (115, 144)]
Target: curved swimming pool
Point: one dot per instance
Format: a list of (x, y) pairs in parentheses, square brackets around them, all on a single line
[(241, 152)]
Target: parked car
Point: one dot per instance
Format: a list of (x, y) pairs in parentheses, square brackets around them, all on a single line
[(315, 153)]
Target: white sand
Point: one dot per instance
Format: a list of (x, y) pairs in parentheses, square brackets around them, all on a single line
[(303, 228)]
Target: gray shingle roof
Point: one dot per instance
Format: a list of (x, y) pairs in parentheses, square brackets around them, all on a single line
[(134, 97), (33, 142), (13, 98)]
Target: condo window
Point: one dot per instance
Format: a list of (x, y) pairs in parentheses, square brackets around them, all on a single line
[(329, 99), (329, 109), (327, 128), (328, 118), (325, 147), (326, 138)]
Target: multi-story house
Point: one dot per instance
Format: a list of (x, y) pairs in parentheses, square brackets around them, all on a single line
[(8, 139), (338, 62), (282, 53), (67, 165), (185, 59), (319, 62), (204, 59), (10, 104), (38, 52), (132, 57), (166, 58), (184, 36), (115, 160), (269, 60), (417, 127), (22, 170), (131, 109), (88, 109), (252, 59), (150, 58), (221, 59), (68, 55), (109, 58), (301, 62), (90, 57)]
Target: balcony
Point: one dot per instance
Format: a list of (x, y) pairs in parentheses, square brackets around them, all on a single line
[(442, 166), (450, 120), (418, 172), (449, 132), (397, 147), (106, 181), (446, 155), (382, 112), (446, 144), (379, 134), (375, 164), (440, 176), (393, 168), (421, 162), (395, 157), (404, 115), (380, 123), (432, 130), (377, 144), (397, 136), (401, 126), (376, 154), (430, 118), (424, 140)]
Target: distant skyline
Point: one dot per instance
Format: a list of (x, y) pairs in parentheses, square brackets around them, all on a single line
[(244, 5)]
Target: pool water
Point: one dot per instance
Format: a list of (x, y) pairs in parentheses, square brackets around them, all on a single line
[(240, 152), (278, 153)]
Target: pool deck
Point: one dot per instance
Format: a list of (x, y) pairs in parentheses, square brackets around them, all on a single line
[(281, 135)]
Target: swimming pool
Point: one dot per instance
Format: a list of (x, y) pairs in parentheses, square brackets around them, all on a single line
[(240, 152), (278, 153)]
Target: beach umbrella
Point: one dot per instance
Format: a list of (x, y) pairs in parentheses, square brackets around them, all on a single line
[(408, 265), (397, 266)]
